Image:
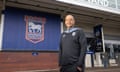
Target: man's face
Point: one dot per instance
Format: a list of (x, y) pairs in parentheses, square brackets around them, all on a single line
[(69, 21)]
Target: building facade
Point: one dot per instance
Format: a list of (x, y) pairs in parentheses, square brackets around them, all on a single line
[(18, 55)]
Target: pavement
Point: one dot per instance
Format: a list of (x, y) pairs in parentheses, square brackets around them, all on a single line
[(95, 69), (109, 69)]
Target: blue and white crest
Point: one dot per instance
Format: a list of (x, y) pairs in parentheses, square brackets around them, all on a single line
[(34, 29), (74, 33)]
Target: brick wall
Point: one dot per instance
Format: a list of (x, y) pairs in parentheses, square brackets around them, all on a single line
[(22, 61)]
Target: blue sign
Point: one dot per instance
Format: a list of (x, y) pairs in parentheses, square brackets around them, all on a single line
[(98, 37), (30, 30), (35, 53)]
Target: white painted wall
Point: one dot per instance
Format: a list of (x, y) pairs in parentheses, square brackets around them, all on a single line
[(1, 30)]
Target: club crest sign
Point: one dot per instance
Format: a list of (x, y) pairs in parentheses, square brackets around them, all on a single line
[(34, 28)]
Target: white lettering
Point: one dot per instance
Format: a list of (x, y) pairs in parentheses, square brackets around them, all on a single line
[(99, 2)]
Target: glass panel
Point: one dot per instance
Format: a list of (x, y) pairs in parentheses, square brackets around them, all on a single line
[(112, 3), (118, 3)]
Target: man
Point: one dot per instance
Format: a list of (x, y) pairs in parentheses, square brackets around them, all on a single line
[(72, 47)]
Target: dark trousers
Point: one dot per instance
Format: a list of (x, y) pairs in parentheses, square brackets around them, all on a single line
[(70, 68)]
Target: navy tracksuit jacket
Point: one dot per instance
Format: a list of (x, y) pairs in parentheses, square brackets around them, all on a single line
[(73, 47)]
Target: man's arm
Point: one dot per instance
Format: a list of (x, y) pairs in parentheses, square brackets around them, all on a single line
[(83, 44)]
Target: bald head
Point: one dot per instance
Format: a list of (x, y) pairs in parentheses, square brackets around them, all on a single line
[(69, 21), (70, 16)]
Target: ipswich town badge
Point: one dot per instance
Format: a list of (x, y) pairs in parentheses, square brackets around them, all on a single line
[(34, 28)]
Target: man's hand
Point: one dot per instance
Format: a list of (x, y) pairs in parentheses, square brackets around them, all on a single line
[(79, 68)]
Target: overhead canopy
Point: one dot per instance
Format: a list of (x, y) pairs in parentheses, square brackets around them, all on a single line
[(112, 6)]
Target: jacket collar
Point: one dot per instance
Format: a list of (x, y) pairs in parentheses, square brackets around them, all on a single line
[(71, 30)]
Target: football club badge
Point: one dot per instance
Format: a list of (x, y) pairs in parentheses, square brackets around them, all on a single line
[(64, 35), (73, 34), (34, 29)]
